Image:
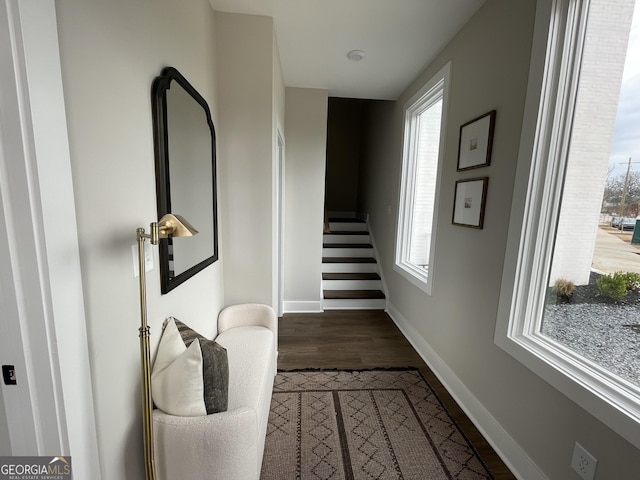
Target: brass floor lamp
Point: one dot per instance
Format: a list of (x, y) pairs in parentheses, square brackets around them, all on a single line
[(168, 225)]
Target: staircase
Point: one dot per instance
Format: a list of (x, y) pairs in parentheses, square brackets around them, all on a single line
[(350, 277)]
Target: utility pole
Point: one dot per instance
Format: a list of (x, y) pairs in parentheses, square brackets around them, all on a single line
[(624, 189)]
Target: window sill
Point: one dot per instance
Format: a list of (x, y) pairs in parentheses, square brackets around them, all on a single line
[(417, 276)]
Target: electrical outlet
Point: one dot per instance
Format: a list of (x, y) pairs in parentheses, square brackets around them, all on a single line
[(583, 463)]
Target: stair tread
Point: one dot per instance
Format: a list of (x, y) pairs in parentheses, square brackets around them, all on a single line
[(347, 232), (347, 245), (352, 294), (346, 220), (348, 260), (350, 276)]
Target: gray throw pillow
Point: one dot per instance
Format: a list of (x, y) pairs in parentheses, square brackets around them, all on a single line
[(215, 369)]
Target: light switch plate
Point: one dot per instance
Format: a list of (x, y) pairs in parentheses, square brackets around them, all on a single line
[(9, 374), (148, 258)]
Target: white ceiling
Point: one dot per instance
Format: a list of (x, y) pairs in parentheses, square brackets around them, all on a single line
[(400, 38)]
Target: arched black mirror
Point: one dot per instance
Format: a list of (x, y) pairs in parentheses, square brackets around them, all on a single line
[(185, 149)]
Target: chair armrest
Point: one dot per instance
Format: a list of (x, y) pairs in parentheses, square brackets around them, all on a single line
[(248, 314), (221, 445), (251, 314)]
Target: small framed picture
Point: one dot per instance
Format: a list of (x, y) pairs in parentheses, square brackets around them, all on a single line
[(476, 139), (469, 202)]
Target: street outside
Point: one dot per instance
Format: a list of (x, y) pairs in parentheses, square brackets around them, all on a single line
[(614, 252)]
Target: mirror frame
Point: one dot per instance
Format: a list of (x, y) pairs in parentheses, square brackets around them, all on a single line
[(159, 88)]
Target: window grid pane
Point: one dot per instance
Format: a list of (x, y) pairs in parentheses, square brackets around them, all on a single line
[(422, 153), (529, 273), (577, 314), (428, 146)]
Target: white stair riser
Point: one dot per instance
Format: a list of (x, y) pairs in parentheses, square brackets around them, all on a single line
[(347, 252), (348, 226), (337, 238), (355, 304), (351, 285), (349, 267), (353, 243)]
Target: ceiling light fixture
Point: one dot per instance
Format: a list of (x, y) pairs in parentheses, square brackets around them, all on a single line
[(356, 55)]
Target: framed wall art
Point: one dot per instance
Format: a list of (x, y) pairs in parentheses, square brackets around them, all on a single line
[(476, 139), (469, 202)]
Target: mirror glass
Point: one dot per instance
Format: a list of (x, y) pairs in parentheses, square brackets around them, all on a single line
[(185, 175)]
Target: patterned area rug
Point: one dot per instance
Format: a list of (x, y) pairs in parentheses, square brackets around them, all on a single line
[(372, 424)]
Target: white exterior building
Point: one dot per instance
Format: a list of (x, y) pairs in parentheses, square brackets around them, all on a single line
[(602, 67)]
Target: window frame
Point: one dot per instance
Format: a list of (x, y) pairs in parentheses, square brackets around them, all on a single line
[(546, 132), (437, 87)]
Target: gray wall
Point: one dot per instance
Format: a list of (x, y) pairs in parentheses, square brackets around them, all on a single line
[(306, 131), (5, 444), (110, 53), (455, 326), (245, 65)]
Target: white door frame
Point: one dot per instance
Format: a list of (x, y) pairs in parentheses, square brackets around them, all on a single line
[(42, 326), (278, 241)]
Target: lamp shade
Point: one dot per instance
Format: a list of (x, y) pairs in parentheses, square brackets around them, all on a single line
[(176, 226)]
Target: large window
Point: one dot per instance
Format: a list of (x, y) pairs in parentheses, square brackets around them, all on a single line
[(557, 315), (422, 153)]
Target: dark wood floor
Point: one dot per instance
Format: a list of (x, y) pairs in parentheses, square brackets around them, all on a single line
[(367, 339)]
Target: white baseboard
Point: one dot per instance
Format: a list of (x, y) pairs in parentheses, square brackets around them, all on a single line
[(505, 446), (302, 307)]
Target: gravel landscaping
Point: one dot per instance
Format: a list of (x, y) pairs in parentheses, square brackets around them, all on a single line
[(602, 329), (606, 334)]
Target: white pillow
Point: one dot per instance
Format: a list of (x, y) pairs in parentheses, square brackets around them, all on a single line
[(178, 389), (190, 376), (171, 345), (176, 381)]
